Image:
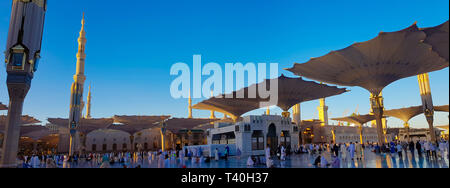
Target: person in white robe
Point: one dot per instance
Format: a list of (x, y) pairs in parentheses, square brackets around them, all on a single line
[(442, 149), (35, 162), (161, 160), (351, 150), (250, 161), (268, 160), (344, 151), (323, 161), (216, 154), (283, 153)]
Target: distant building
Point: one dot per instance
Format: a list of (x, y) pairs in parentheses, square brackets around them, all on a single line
[(313, 132), (254, 133), (417, 134)]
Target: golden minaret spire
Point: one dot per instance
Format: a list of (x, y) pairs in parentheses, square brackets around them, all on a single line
[(81, 56), (323, 112), (190, 105), (213, 116), (88, 106), (76, 98), (296, 116)]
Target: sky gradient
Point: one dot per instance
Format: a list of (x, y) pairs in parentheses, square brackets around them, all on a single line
[(132, 45)]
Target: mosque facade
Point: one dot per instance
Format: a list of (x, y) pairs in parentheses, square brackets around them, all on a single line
[(254, 133)]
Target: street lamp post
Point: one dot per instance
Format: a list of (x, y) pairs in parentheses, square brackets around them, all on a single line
[(22, 58)]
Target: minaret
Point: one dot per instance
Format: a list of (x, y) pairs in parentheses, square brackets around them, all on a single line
[(323, 112), (88, 105), (296, 116), (427, 102), (213, 116), (190, 105), (77, 90)]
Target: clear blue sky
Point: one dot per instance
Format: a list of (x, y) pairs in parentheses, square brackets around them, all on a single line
[(132, 45)]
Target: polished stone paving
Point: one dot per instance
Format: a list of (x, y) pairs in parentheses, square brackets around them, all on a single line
[(371, 160)]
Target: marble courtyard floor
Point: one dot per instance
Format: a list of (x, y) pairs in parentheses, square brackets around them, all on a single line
[(371, 160)]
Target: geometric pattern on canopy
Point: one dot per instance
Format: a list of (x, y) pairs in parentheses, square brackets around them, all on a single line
[(176, 124), (85, 126), (405, 114), (356, 119), (134, 124), (438, 38), (291, 91), (443, 108), (376, 63)]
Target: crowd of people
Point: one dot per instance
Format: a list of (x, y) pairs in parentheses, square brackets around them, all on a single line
[(164, 159), (178, 158), (356, 151)]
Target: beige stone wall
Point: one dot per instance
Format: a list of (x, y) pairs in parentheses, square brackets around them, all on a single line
[(108, 137)]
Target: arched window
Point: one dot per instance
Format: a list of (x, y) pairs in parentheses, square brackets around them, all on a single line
[(285, 138), (124, 147)]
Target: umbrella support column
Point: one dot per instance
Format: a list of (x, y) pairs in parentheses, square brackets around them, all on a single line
[(430, 120), (361, 134), (17, 95), (377, 108), (408, 137)]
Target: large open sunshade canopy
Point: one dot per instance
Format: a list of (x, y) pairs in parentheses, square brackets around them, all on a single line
[(26, 120), (176, 124), (85, 126), (3, 107), (134, 124), (405, 114), (376, 63), (34, 132), (356, 119), (359, 120), (309, 123), (446, 127), (443, 108), (291, 91), (438, 38)]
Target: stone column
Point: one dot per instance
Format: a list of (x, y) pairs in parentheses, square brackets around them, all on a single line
[(427, 102), (408, 137), (163, 141), (361, 134), (430, 120), (17, 94)]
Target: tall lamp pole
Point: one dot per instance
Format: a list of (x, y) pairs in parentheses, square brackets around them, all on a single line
[(22, 55)]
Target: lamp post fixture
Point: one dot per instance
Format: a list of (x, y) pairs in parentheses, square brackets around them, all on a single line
[(22, 57)]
